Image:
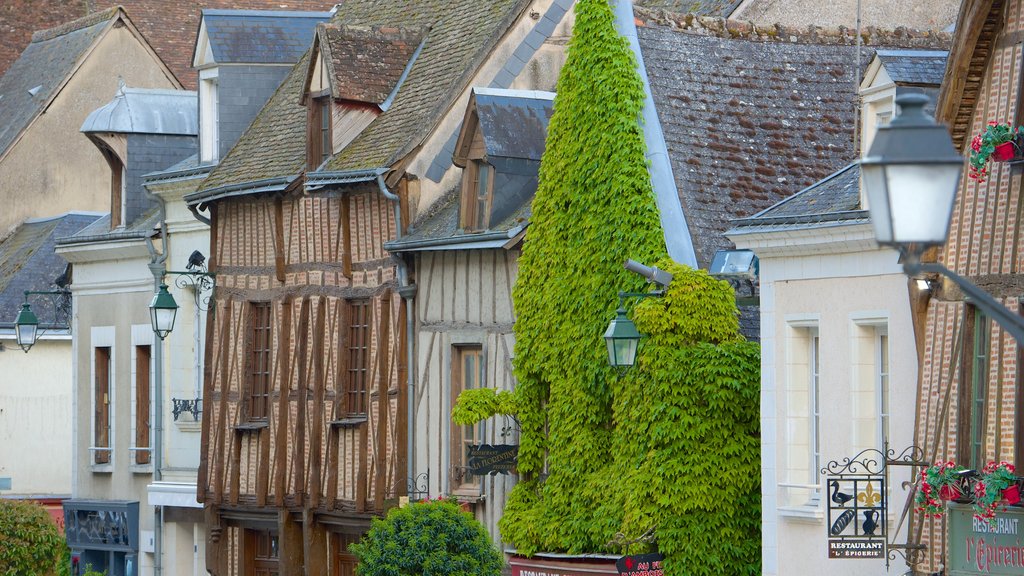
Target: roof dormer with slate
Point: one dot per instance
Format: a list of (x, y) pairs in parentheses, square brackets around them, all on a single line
[(138, 132), (353, 76), (242, 57), (895, 72)]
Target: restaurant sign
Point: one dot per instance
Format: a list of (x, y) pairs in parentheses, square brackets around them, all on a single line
[(640, 565), (492, 459), (983, 547)]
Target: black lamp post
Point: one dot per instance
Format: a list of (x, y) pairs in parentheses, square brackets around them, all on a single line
[(911, 175), (622, 337), (162, 312)]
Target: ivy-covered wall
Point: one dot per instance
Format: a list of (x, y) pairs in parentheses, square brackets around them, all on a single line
[(672, 448)]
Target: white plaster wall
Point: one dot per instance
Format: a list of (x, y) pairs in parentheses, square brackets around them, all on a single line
[(837, 290), (35, 417)]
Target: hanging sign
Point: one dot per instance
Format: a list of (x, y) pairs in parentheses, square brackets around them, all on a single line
[(640, 565), (492, 459), (978, 546)]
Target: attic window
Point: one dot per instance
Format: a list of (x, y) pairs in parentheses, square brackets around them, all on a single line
[(477, 189), (320, 143)]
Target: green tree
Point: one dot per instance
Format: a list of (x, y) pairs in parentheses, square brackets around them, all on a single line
[(30, 543), (433, 538)]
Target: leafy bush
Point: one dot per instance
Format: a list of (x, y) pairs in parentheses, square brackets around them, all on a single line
[(30, 542), (434, 538)]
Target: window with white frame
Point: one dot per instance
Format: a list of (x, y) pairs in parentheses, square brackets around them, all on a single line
[(800, 486), (869, 406), (209, 121), (102, 397)]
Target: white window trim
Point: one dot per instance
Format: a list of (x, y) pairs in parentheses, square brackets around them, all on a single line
[(209, 116), (812, 510), (462, 339), (142, 335), (102, 337)]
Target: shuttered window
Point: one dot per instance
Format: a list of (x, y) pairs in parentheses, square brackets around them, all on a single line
[(101, 403), (142, 364)]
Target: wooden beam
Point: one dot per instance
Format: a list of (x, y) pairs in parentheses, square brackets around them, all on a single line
[(315, 540), (281, 436), (203, 475), (291, 550), (216, 548), (219, 448), (383, 398), (346, 237), (279, 245), (298, 432), (402, 421), (974, 14), (319, 419)]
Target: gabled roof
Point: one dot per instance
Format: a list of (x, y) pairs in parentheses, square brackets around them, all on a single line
[(835, 199), (462, 32), (146, 111), (43, 68), (914, 67), (27, 262), (752, 114), (258, 36), (514, 123), (365, 64)]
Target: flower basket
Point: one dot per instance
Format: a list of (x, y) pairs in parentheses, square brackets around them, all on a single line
[(938, 484), (1000, 142), (996, 487)]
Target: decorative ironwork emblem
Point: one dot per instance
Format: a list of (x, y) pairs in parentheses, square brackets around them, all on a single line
[(191, 406)]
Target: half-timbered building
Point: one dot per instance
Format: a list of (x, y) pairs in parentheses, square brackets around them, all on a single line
[(306, 426)]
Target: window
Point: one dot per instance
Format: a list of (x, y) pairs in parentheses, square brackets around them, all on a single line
[(882, 375), (870, 385), (118, 179), (476, 198), (802, 449), (320, 143), (142, 393), (101, 404), (467, 374), (344, 561), (209, 121), (973, 394), (260, 553), (357, 357), (259, 360)]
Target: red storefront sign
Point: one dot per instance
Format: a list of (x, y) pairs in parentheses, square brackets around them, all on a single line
[(562, 566)]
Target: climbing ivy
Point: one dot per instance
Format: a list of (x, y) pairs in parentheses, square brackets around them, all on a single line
[(30, 542), (673, 447)]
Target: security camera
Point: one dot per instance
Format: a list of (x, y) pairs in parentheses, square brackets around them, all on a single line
[(651, 273)]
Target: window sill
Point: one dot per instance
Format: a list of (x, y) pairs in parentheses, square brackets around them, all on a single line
[(141, 468), (102, 468), (351, 422), (250, 426), (810, 514), (190, 426), (468, 495)]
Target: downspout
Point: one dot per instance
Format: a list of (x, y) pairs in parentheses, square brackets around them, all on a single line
[(678, 241), (157, 265), (408, 293)]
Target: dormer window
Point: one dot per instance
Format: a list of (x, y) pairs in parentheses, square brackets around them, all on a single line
[(320, 139), (479, 186), (209, 121), (117, 178)]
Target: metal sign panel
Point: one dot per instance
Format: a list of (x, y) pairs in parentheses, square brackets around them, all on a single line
[(979, 547), (640, 565), (492, 459)]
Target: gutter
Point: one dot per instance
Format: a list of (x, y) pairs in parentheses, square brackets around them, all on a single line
[(399, 246), (244, 189)]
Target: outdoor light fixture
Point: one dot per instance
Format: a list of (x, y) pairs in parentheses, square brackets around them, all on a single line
[(910, 176), (162, 312), (734, 264), (622, 337), (26, 326)]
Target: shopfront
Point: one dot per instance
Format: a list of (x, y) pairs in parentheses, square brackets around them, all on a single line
[(103, 536)]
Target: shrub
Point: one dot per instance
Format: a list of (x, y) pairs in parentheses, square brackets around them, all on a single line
[(434, 538), (30, 542)]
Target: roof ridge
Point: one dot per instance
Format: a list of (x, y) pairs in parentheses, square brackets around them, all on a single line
[(900, 36), (83, 22)]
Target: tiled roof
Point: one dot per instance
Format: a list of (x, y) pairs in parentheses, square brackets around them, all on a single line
[(366, 62), (255, 36), (747, 122), (720, 8), (833, 199), (99, 231), (440, 227), (41, 69), (462, 33), (27, 262), (275, 143), (924, 67)]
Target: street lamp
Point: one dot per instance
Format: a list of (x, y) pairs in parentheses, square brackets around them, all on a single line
[(911, 175), (622, 337), (162, 312), (26, 327)]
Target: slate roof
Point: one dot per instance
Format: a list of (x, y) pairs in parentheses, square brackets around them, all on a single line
[(832, 200), (916, 67), (260, 36), (366, 62), (747, 122), (42, 68), (719, 8), (27, 262), (99, 231), (514, 123), (146, 111), (462, 32)]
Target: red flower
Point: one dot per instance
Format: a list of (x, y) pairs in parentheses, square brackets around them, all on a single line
[(976, 144)]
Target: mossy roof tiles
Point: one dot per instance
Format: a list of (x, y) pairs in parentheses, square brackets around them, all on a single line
[(461, 34)]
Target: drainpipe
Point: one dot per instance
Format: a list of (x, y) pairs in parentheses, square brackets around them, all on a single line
[(157, 266), (407, 291)]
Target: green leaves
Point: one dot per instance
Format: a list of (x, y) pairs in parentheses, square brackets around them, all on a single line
[(433, 538), (30, 542)]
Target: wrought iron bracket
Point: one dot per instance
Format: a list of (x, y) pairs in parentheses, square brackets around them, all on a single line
[(197, 279), (415, 488), (191, 406)]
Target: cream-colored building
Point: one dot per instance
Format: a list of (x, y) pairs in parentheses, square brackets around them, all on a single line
[(47, 166)]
